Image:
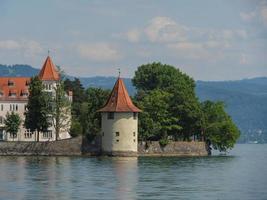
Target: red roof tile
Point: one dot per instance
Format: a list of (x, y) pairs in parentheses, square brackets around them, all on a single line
[(48, 71), (14, 85), (119, 100)]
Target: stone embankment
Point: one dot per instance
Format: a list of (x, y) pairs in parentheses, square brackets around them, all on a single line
[(79, 146), (153, 148), (68, 147)]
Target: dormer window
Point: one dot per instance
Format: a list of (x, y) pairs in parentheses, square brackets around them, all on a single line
[(12, 93), (27, 83), (10, 83), (24, 93), (1, 93)]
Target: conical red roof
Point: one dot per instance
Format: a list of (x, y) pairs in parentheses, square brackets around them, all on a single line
[(48, 71), (119, 100)]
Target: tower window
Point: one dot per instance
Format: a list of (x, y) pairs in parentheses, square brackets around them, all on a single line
[(135, 115), (110, 115), (117, 140), (117, 134), (134, 140), (134, 134), (2, 107)]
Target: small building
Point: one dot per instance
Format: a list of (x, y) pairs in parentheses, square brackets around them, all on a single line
[(14, 97), (119, 123)]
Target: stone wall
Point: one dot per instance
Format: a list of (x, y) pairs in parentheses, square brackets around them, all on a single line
[(79, 146), (153, 148), (67, 147)]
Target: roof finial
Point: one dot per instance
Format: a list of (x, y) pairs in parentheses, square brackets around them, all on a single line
[(48, 52), (119, 70)]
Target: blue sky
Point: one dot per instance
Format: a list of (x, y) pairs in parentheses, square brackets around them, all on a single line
[(208, 39)]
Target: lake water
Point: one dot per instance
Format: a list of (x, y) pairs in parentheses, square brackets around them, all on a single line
[(240, 175)]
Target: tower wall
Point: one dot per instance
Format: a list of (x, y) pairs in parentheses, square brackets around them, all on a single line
[(120, 135)]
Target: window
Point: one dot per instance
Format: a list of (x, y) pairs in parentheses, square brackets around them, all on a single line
[(2, 107), (110, 115), (13, 135), (10, 108), (10, 83), (1, 93), (117, 134), (47, 134), (12, 94), (16, 107), (25, 107), (117, 140), (134, 140), (27, 134), (134, 134), (2, 120), (135, 115)]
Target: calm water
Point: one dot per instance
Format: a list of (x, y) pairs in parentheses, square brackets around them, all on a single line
[(240, 175)]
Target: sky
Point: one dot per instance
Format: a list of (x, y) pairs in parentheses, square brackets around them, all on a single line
[(208, 39)]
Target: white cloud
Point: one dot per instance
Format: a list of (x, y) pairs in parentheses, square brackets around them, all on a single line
[(243, 60), (248, 16), (133, 35), (9, 45), (28, 48), (99, 52), (263, 14), (164, 29)]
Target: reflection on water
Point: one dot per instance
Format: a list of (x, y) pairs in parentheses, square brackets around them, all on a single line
[(242, 175)]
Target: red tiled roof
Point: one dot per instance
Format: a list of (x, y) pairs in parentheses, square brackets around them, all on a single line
[(48, 71), (119, 100), (14, 85)]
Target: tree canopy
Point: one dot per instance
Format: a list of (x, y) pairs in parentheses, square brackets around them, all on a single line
[(182, 109), (12, 123), (37, 113), (218, 127), (171, 109)]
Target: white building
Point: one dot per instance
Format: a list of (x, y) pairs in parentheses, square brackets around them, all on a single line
[(119, 123), (14, 97)]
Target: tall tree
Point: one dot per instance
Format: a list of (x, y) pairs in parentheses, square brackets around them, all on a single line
[(96, 98), (156, 120), (218, 127), (182, 102), (37, 113), (12, 123), (61, 109)]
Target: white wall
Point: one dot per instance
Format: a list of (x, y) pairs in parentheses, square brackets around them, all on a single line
[(126, 125)]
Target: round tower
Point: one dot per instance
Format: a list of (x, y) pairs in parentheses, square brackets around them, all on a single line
[(119, 123)]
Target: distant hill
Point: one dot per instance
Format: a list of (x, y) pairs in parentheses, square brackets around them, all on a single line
[(18, 70), (246, 100)]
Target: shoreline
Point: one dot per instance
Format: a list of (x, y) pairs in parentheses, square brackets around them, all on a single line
[(81, 147)]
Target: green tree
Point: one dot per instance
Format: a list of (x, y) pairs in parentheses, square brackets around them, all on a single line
[(218, 127), (12, 123), (37, 113), (61, 109), (156, 121), (182, 102), (96, 98)]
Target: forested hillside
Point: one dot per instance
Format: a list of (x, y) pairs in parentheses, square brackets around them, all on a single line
[(246, 100)]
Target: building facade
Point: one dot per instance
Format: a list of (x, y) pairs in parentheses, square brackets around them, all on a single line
[(14, 92), (119, 123)]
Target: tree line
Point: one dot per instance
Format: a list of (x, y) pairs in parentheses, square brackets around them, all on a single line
[(170, 109)]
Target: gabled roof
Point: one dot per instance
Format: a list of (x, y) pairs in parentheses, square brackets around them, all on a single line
[(119, 100), (48, 71), (15, 86)]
